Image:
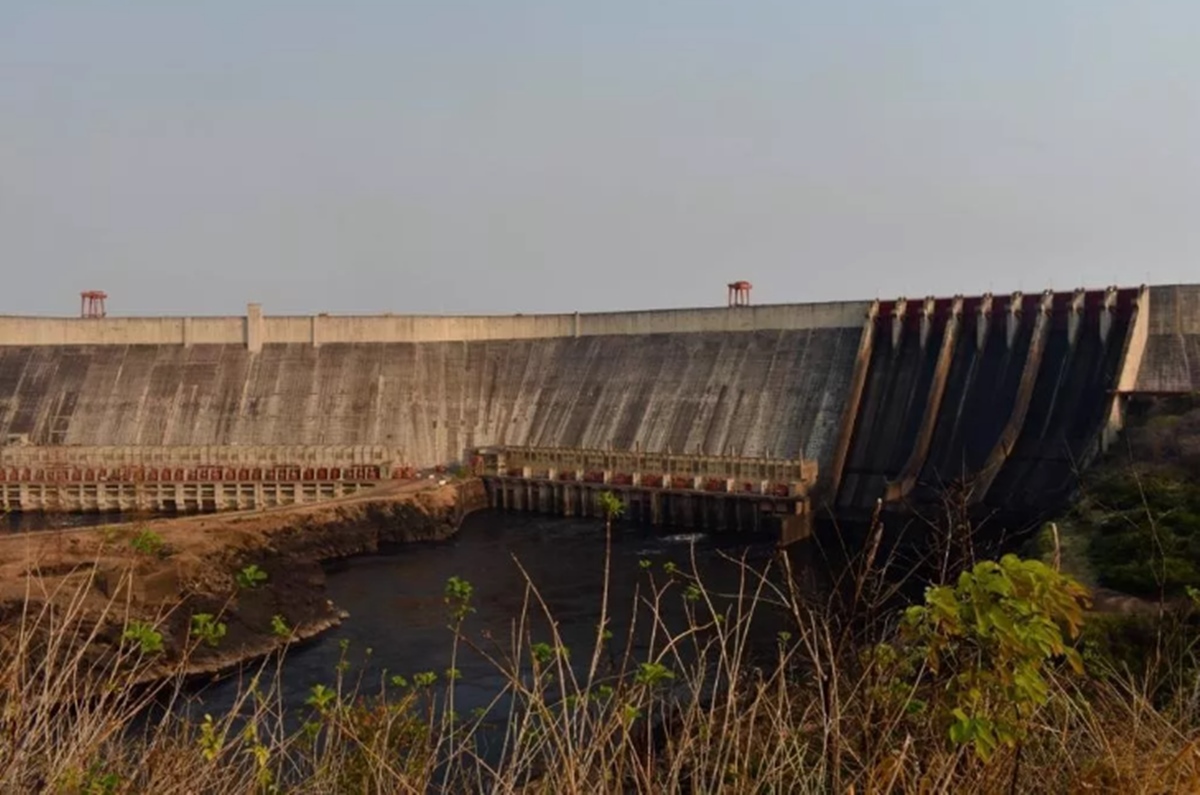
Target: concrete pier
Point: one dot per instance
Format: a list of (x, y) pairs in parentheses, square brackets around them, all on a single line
[(717, 493)]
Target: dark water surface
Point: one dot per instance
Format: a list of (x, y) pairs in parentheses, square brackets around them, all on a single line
[(396, 602)]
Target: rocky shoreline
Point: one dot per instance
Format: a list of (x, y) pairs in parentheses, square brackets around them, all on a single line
[(165, 571)]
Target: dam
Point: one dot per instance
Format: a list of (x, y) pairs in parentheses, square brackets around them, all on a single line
[(1004, 397)]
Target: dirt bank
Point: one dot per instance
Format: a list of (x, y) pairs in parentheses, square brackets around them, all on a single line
[(165, 571)]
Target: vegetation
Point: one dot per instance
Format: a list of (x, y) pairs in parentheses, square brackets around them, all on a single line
[(251, 577), (988, 643), (987, 684), (611, 507), (280, 627), (149, 543), (1140, 511), (144, 637), (207, 628), (1144, 530)]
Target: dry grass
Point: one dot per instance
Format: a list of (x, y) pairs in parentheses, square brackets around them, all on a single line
[(674, 707)]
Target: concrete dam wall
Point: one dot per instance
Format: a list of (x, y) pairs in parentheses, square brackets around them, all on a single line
[(755, 393), (1003, 396)]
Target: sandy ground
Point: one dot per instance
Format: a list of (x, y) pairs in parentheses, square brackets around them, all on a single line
[(199, 557)]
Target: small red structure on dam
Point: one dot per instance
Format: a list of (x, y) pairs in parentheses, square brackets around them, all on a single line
[(91, 303), (739, 293)]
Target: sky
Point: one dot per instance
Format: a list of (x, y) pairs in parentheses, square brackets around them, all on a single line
[(477, 156)]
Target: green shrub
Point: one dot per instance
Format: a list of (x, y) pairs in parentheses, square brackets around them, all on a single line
[(251, 577), (988, 639), (279, 627), (206, 627), (144, 636), (147, 542)]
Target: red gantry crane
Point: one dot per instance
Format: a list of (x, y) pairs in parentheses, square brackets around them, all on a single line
[(739, 293), (91, 303)]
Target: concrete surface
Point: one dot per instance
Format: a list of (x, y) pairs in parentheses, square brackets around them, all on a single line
[(880, 386), (765, 393), (1171, 360), (256, 329)]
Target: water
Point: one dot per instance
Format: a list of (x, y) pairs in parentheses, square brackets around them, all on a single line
[(397, 610)]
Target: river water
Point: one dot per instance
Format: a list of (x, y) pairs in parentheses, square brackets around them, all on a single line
[(398, 619)]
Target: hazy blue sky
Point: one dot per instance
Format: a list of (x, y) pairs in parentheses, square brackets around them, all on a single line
[(529, 155)]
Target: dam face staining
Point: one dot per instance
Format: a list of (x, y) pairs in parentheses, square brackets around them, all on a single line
[(1006, 397)]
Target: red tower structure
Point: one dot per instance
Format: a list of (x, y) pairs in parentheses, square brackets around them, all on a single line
[(91, 303), (739, 293)]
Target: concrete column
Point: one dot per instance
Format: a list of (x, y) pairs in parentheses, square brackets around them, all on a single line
[(899, 310), (1135, 342), (254, 328), (1014, 316), (187, 332), (315, 330), (576, 324), (1106, 312), (1016, 420), (907, 478), (796, 526), (862, 363), (1131, 361), (1075, 316), (927, 312), (983, 321)]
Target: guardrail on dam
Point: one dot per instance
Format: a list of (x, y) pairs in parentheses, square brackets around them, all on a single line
[(890, 399)]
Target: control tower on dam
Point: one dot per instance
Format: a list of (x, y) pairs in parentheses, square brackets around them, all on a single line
[(1005, 395)]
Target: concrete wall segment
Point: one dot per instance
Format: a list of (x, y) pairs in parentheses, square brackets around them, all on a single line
[(216, 331), (92, 331), (774, 393), (1171, 361), (1176, 309), (333, 329), (1135, 343)]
